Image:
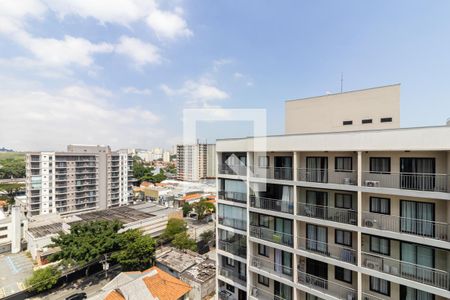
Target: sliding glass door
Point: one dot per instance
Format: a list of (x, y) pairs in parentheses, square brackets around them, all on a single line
[(417, 173), (317, 169), (316, 238), (408, 293), (283, 167), (317, 202), (417, 218), (417, 261)]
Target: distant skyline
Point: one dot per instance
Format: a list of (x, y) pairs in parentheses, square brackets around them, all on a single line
[(120, 72)]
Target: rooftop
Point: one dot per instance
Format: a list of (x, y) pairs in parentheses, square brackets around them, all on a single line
[(201, 272), (123, 214), (179, 260)]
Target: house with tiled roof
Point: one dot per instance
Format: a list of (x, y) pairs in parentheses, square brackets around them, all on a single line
[(150, 284)]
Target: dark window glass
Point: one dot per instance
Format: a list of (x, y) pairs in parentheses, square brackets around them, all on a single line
[(343, 237), (263, 250), (367, 121), (263, 280), (343, 274), (380, 286), (385, 120), (380, 205), (343, 164), (347, 123), (380, 165), (343, 201), (380, 245)]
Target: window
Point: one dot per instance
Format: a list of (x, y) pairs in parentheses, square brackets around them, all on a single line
[(343, 274), (4, 228), (343, 201), (263, 280), (380, 286), (317, 238), (347, 123), (386, 120), (343, 164), (264, 221), (263, 161), (380, 205), (229, 262), (229, 287), (380, 165), (367, 121), (380, 245), (343, 237), (3, 236), (263, 250)]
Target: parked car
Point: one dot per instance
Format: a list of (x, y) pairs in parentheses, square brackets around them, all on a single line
[(77, 296)]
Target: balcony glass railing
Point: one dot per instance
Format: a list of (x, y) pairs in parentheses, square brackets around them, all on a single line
[(237, 248), (272, 204), (327, 287), (338, 252), (270, 266), (233, 275), (264, 294), (233, 196), (409, 181), (271, 235), (233, 222), (226, 169), (406, 270), (348, 177), (280, 173), (340, 215), (420, 227)]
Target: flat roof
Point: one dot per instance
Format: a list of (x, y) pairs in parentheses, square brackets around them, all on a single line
[(201, 272), (123, 214), (179, 260), (45, 230)]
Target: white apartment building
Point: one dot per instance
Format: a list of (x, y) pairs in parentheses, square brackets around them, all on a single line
[(81, 179), (196, 161), (338, 214)]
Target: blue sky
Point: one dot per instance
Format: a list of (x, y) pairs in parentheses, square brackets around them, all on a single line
[(120, 72)]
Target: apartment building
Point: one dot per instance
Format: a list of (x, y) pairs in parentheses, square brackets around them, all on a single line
[(196, 161), (81, 179), (338, 214)]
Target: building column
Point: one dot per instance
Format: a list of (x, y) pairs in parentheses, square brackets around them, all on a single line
[(359, 205), (216, 229), (249, 279)]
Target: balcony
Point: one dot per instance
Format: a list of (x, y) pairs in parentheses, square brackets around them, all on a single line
[(327, 287), (227, 169), (233, 196), (406, 270), (347, 177), (340, 215), (234, 223), (273, 173), (419, 227), (270, 235), (269, 266), (233, 275), (367, 296), (259, 293), (427, 182), (272, 204), (338, 252), (234, 247)]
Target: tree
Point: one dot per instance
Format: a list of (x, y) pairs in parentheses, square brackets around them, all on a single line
[(208, 236), (203, 207), (87, 241), (183, 241), (12, 168), (43, 279), (174, 226), (137, 251), (186, 209), (11, 189)]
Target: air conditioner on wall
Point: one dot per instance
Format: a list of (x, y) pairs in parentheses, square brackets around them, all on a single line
[(372, 265), (372, 183), (256, 263), (370, 223)]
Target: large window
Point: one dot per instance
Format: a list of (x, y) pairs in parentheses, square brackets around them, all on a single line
[(409, 293), (380, 205), (317, 237), (420, 255), (263, 280), (380, 245), (233, 216), (343, 237), (343, 201), (317, 169), (417, 217), (263, 250), (380, 165), (380, 286), (343, 164), (343, 274)]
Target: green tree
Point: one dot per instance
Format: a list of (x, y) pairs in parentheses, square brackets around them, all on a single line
[(183, 241), (87, 241), (12, 168), (186, 209), (208, 236), (137, 251), (203, 207), (11, 189), (174, 226), (43, 279)]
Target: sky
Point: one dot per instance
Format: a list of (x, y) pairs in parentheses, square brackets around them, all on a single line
[(122, 72)]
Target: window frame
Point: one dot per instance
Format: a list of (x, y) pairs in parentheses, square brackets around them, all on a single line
[(386, 120), (343, 202), (378, 291), (343, 243), (342, 272), (347, 122), (366, 121), (379, 252), (371, 159), (343, 170), (261, 280), (265, 252), (379, 198)]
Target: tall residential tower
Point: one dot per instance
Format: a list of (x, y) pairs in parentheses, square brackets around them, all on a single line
[(359, 209), (196, 161)]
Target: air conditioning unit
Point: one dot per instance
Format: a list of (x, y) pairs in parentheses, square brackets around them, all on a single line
[(370, 223), (347, 181), (256, 263), (372, 265), (255, 292), (372, 183), (226, 273)]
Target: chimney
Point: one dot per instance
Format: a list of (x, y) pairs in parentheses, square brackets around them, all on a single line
[(16, 229)]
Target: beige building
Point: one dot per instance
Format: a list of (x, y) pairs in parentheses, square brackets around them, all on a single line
[(196, 161), (337, 213), (81, 179)]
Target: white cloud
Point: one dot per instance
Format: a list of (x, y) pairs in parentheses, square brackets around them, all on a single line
[(238, 75), (13, 13), (168, 24), (197, 93), (134, 90), (139, 52), (40, 119)]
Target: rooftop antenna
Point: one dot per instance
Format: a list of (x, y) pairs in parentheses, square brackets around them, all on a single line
[(342, 81)]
